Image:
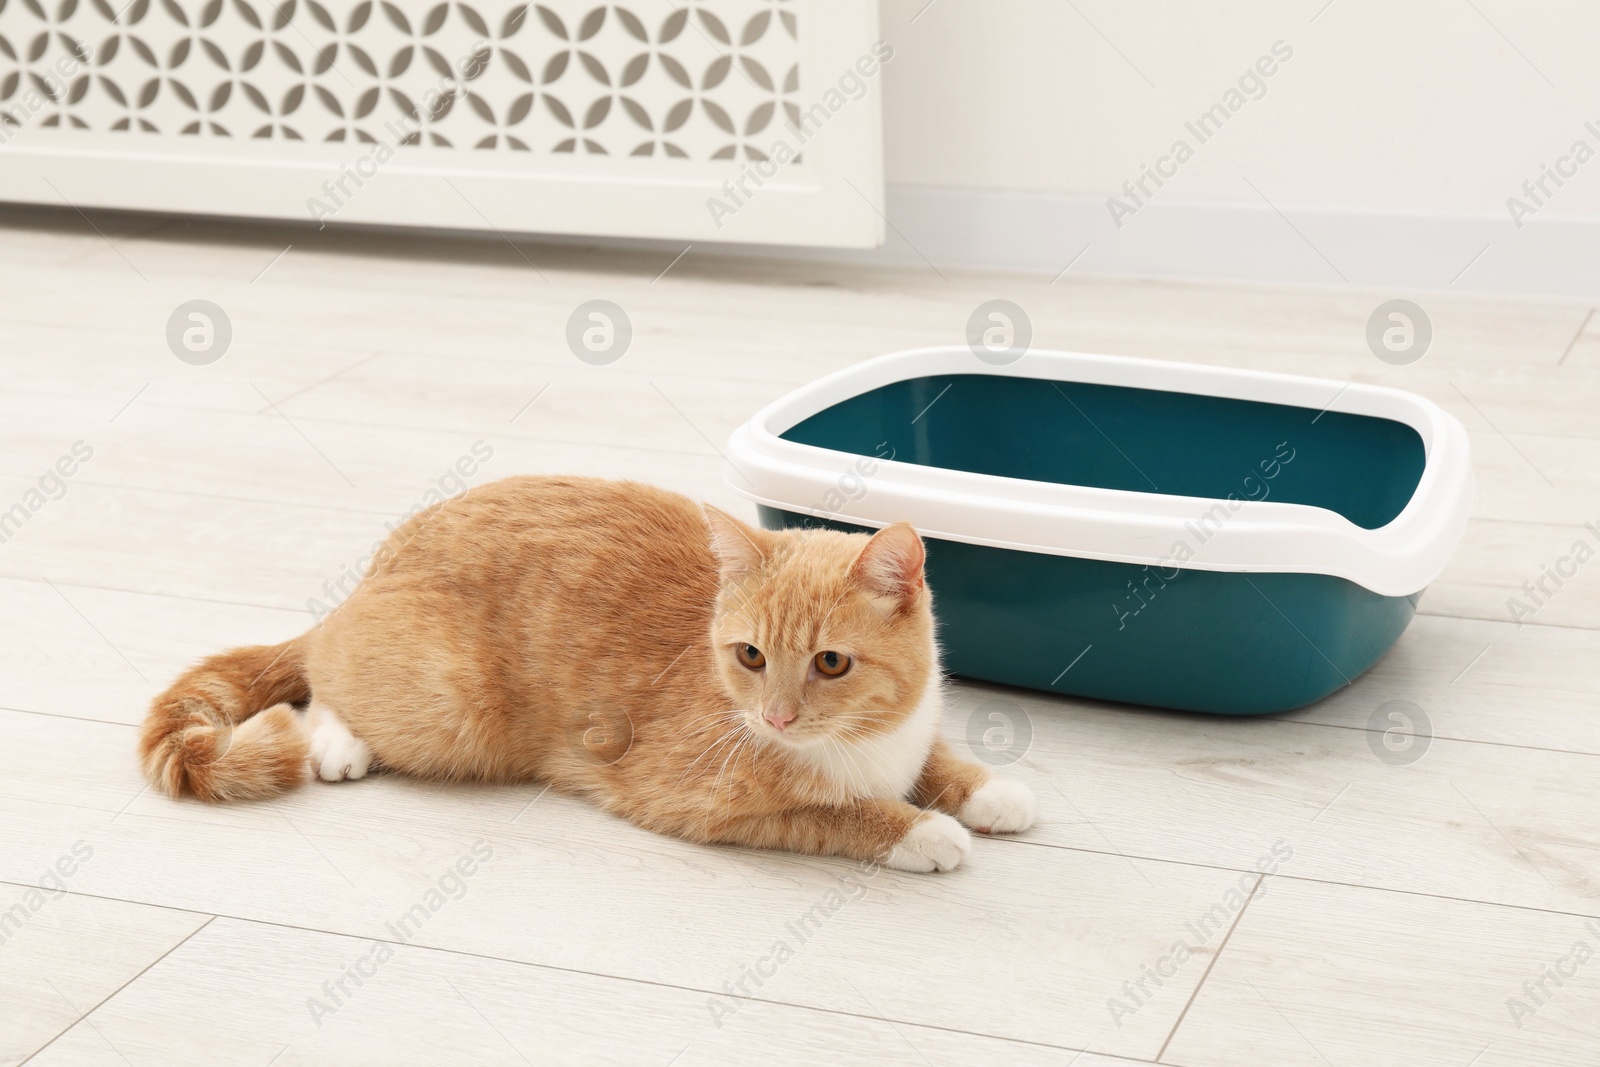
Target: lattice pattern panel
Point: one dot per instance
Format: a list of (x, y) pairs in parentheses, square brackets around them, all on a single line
[(698, 81)]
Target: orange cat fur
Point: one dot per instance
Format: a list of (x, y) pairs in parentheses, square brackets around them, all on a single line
[(618, 642)]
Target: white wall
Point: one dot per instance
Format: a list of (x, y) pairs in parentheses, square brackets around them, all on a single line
[(1398, 129)]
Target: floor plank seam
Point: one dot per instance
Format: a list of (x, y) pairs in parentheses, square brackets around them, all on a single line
[(1443, 737), (1002, 841), (499, 428), (210, 918), (125, 487), (101, 1002), (1508, 622), (64, 715), (1018, 841), (121, 900), (1221, 948), (99, 587), (143, 234)]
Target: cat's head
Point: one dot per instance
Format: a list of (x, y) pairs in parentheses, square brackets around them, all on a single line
[(820, 634)]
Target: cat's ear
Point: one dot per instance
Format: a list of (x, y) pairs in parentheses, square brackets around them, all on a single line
[(738, 547), (890, 567)]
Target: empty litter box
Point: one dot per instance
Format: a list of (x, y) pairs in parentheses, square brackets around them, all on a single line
[(1157, 533)]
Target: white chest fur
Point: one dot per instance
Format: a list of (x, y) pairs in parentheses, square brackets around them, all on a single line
[(884, 765)]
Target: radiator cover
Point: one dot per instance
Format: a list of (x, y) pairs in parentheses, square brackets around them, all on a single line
[(735, 120)]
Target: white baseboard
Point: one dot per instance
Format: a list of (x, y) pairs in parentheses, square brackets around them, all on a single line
[(1042, 233)]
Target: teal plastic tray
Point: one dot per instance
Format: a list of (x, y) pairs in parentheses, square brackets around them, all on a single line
[(1218, 544)]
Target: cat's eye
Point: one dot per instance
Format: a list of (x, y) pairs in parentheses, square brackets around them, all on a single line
[(750, 656), (831, 664)]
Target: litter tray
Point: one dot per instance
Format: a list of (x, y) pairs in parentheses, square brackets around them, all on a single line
[(1157, 533)]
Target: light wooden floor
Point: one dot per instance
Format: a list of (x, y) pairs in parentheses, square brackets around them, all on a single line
[(1420, 897)]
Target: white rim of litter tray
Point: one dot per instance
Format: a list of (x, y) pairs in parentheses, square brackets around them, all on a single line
[(1397, 559)]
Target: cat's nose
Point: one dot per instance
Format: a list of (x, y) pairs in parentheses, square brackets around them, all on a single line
[(780, 719)]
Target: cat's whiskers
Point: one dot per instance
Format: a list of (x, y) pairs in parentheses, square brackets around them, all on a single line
[(743, 733), (725, 723), (730, 713), (847, 754), (747, 738), (736, 724), (854, 753), (850, 769), (850, 727)]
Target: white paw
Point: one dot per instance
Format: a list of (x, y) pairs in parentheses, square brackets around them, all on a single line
[(1000, 806), (935, 842), (336, 753)]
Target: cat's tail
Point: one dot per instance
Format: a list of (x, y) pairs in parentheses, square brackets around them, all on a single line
[(224, 730)]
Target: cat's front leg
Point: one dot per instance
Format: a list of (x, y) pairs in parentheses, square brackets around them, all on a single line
[(890, 832), (987, 804)]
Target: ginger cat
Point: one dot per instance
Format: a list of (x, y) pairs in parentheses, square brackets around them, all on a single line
[(686, 671)]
